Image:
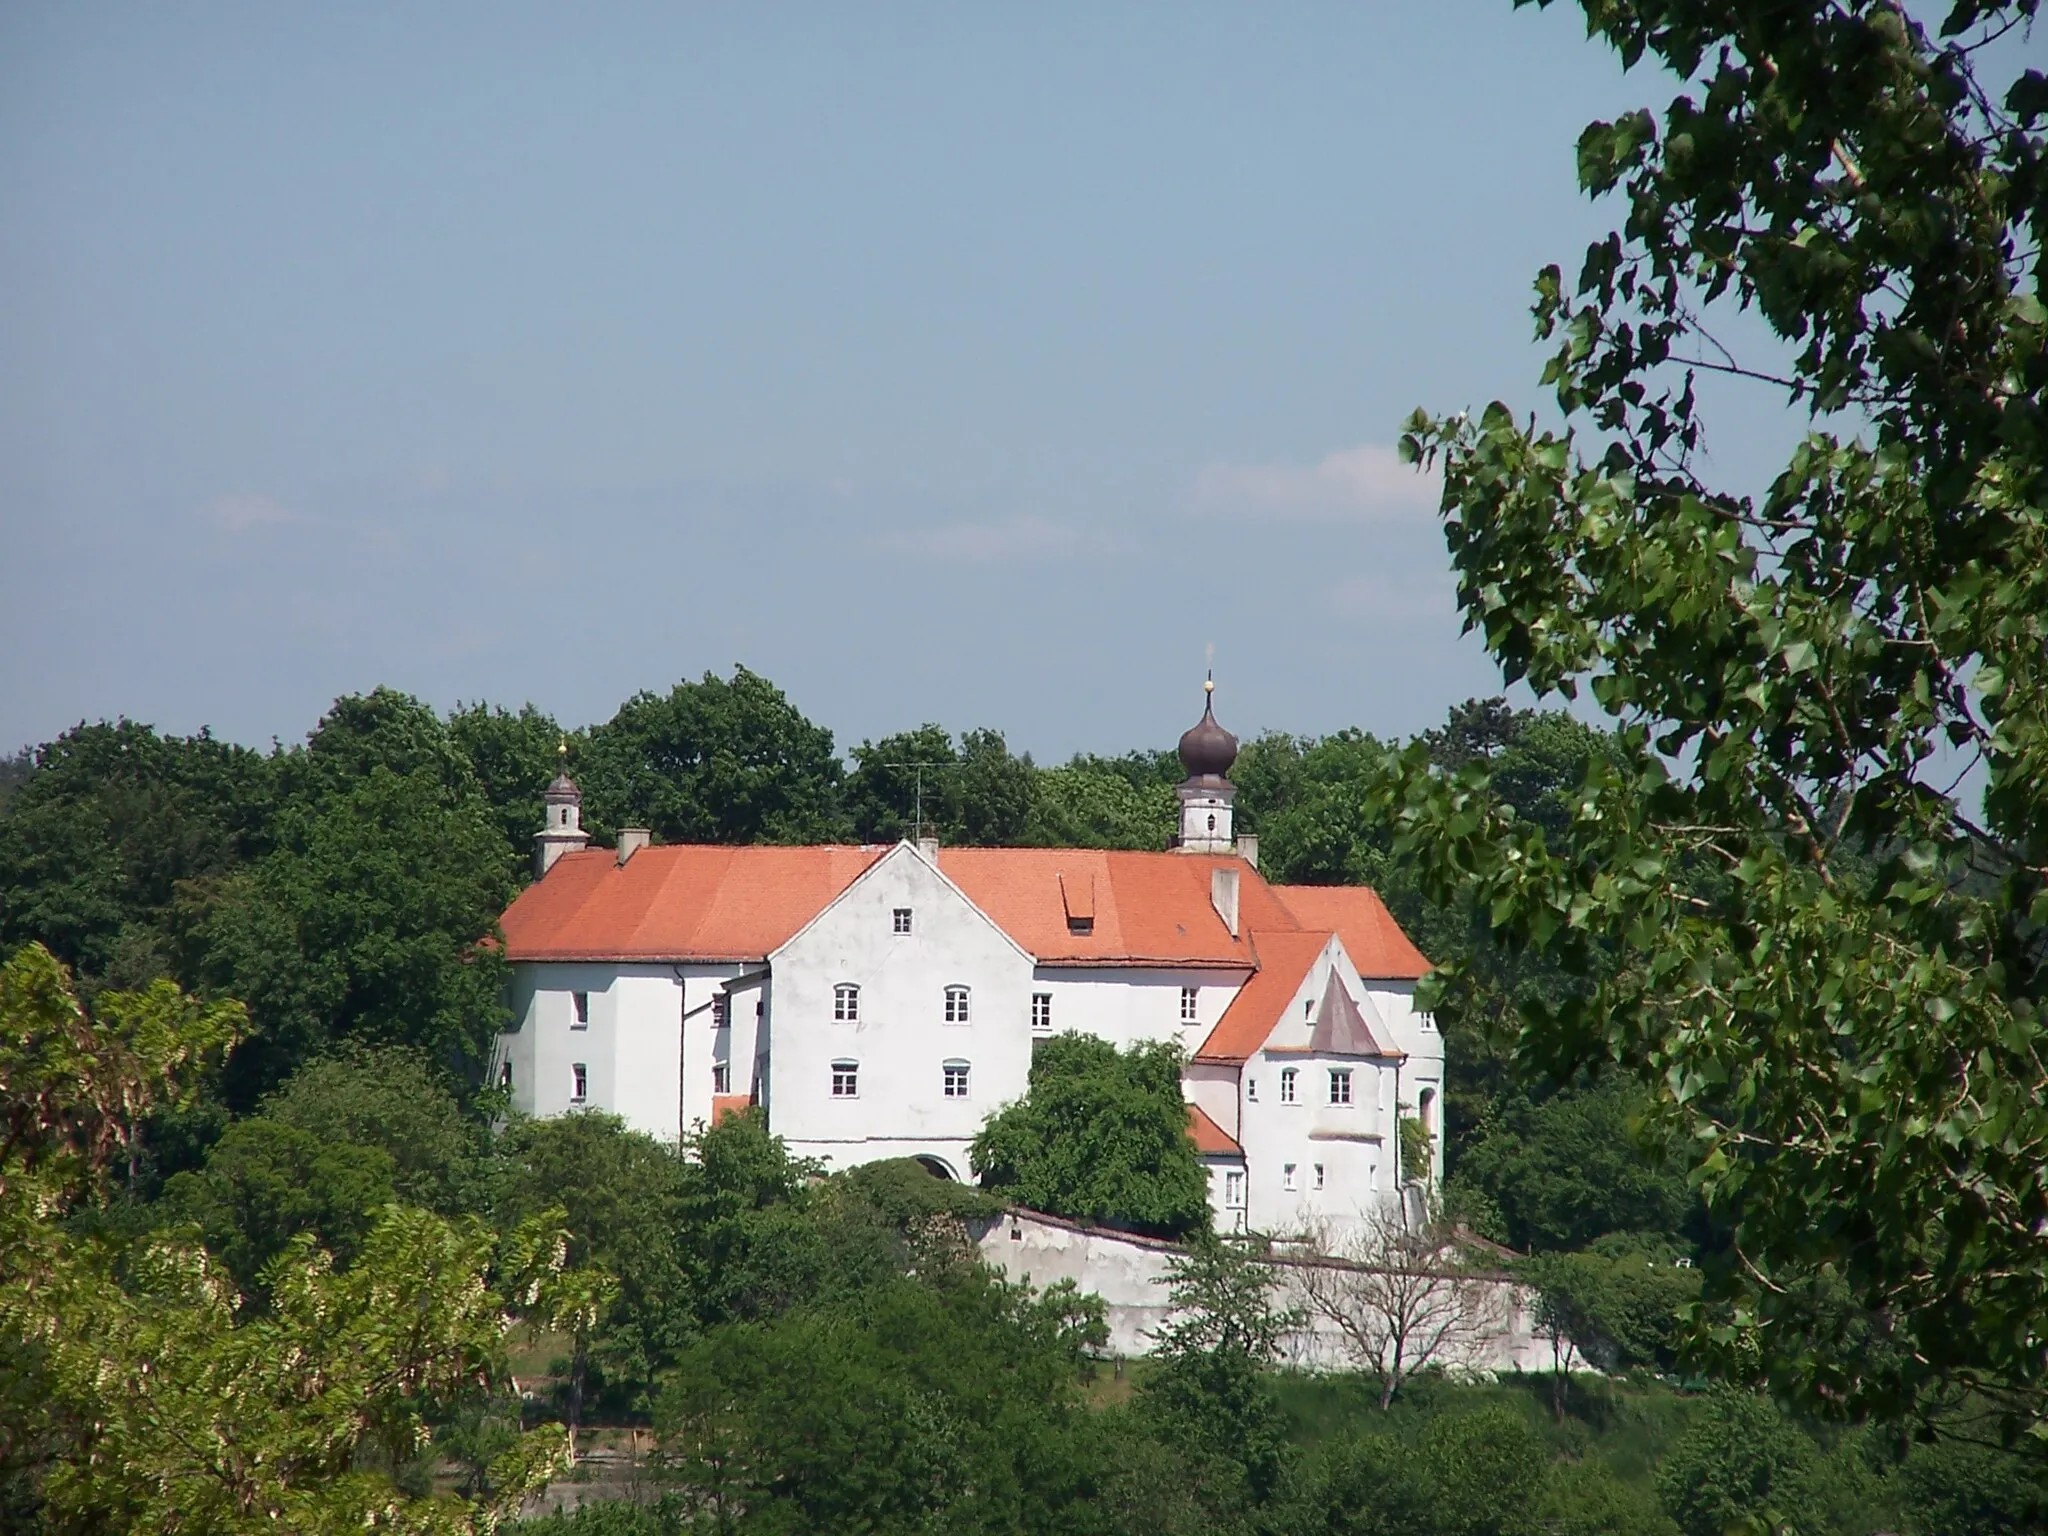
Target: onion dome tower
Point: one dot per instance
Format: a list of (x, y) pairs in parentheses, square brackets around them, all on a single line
[(561, 828), (1206, 751)]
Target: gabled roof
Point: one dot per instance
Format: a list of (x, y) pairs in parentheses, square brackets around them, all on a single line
[(1341, 1030), (1355, 913), (681, 901), (1211, 1140), (1146, 907), (1284, 961)]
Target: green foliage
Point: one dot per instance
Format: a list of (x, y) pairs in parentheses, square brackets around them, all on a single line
[(77, 1086), (101, 836), (1083, 807), (712, 762), (1742, 1460), (622, 1198), (1956, 1488), (1825, 968), (265, 1183), (1570, 1168), (1211, 1396), (1619, 1302), (976, 793), (362, 923), (881, 1418), (512, 757), (393, 1099), (139, 1395), (1101, 1136)]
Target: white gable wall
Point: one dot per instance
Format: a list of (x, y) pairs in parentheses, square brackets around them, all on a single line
[(1125, 1004), (901, 1041)]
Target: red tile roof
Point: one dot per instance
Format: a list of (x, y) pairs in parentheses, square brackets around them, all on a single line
[(1211, 1140), (681, 901), (1355, 913), (1147, 907), (723, 1104), (701, 903), (1284, 959)]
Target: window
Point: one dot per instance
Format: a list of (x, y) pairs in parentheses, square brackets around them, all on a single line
[(956, 1005), (845, 1003), (721, 1077), (1189, 1004), (721, 1011), (845, 1079), (1287, 1077), (580, 1001), (582, 1086), (1041, 1010), (956, 1079), (1080, 924), (505, 1077), (1340, 1085), (1308, 1007), (900, 919), (1319, 1175), (1251, 1089), (1287, 1175), (1233, 1190)]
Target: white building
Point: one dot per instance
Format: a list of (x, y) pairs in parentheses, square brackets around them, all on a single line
[(883, 1001)]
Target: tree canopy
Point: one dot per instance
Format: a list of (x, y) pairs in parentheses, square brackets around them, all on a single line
[(1791, 922), (1102, 1136)]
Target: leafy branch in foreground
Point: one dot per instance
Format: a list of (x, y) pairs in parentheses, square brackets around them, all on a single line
[(1826, 968), (140, 1396)]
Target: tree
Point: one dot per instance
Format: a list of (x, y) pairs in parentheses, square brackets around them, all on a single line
[(139, 1397), (1740, 1461), (1569, 1168), (713, 761), (623, 1200), (1210, 1394), (264, 1183), (1399, 1299), (362, 922), (881, 1417), (513, 757), (1099, 1136), (394, 1099), (105, 832), (1082, 807), (1820, 961), (976, 794)]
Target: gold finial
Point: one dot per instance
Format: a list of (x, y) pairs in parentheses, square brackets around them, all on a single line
[(1209, 684), (562, 751)]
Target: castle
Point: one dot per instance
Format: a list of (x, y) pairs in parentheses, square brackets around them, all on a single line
[(881, 1001)]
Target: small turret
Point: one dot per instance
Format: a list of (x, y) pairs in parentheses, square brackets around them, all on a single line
[(562, 819), (1206, 751)]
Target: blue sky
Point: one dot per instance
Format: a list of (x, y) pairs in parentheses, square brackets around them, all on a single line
[(966, 363)]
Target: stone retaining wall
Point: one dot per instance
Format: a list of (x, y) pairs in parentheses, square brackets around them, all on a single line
[(1126, 1271)]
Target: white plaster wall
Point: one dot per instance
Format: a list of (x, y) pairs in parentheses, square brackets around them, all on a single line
[(1348, 1141), (1126, 1273), (1125, 1005), (901, 1040), (631, 1049), (703, 1044)]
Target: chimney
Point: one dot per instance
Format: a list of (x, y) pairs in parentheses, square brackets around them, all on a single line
[(929, 847), (1223, 895), (632, 840), (1248, 848)]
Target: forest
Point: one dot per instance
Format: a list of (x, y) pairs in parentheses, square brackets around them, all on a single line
[(1742, 989), (799, 1348)]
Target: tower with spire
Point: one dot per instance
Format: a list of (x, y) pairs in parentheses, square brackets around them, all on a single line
[(1207, 751), (562, 821)]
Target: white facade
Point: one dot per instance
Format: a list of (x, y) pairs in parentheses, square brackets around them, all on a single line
[(892, 1043)]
